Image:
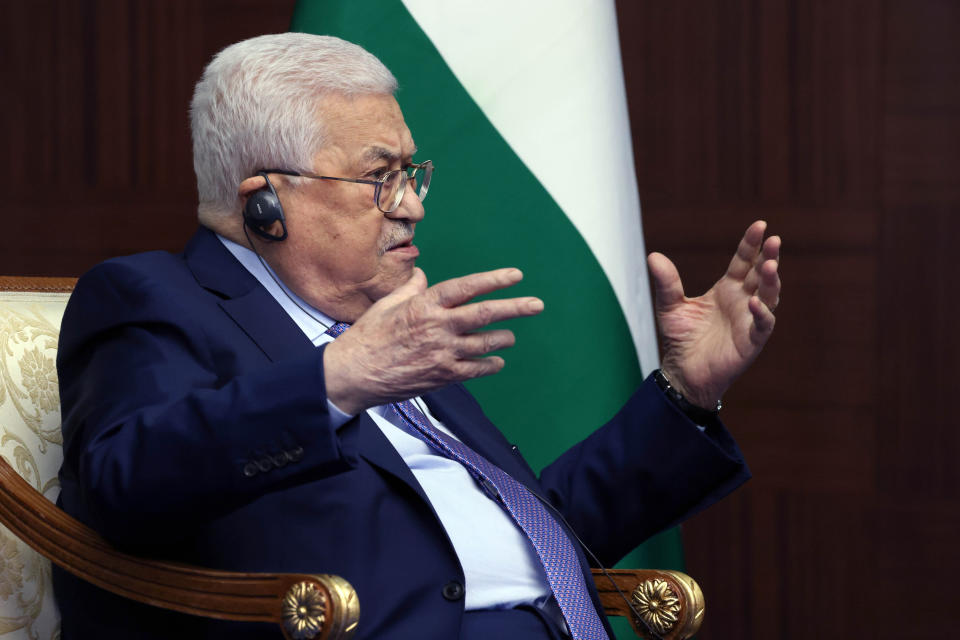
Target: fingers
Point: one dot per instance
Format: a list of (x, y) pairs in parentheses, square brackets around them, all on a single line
[(454, 292), (763, 278), (763, 321), (416, 339), (477, 344), (666, 280), (747, 251), (479, 367), (461, 318), (480, 314), (769, 288), (771, 248)]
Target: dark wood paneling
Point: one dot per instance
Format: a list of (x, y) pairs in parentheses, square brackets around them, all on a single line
[(96, 146), (839, 123), (921, 223)]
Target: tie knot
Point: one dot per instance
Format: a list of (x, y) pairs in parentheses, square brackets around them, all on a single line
[(337, 329)]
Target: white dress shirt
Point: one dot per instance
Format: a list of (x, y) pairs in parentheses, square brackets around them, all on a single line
[(499, 563)]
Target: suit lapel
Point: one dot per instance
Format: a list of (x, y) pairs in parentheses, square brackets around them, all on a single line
[(457, 409), (249, 305), (267, 324), (380, 452), (270, 327)]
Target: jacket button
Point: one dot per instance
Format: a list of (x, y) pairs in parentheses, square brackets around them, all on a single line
[(264, 464), (250, 469), (295, 455), (279, 460), (452, 591)]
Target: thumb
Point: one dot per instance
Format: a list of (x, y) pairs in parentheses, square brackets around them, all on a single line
[(416, 285), (666, 280)]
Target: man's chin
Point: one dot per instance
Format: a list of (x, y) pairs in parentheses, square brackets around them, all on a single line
[(397, 278)]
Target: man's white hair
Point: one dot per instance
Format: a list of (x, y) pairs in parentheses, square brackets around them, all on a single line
[(258, 106)]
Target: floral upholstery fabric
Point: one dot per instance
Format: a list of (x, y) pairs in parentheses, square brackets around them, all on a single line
[(30, 441)]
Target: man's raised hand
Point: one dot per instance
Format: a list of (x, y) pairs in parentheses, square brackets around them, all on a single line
[(710, 340), (418, 339)]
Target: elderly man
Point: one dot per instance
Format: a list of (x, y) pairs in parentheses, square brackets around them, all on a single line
[(284, 395)]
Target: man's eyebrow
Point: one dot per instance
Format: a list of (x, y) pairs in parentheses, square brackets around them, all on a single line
[(379, 153), (374, 154)]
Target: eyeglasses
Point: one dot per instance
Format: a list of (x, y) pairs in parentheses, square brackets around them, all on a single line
[(389, 188)]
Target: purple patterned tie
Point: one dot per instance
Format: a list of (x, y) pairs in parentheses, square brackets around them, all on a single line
[(552, 545)]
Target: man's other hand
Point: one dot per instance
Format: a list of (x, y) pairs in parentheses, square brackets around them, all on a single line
[(418, 339), (710, 340)]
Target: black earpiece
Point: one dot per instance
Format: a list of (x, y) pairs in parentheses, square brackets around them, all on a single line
[(263, 208)]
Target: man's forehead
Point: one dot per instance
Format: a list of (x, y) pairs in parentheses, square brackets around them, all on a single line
[(372, 125)]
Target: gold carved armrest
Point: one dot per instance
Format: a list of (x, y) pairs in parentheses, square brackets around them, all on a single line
[(669, 602), (321, 607)]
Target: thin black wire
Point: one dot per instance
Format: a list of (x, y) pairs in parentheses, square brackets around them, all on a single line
[(274, 278), (653, 634), (539, 497), (599, 564)]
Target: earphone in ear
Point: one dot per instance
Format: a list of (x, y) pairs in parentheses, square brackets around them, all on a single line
[(263, 208)]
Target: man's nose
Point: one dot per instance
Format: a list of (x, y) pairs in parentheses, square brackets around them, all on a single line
[(410, 208)]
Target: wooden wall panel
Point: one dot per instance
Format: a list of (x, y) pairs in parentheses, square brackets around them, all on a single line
[(839, 123), (921, 223), (96, 147)]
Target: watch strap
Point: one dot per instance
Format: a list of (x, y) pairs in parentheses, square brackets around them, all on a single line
[(698, 415)]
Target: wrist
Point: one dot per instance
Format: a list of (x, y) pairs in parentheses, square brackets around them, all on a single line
[(698, 391), (697, 413), (339, 389)]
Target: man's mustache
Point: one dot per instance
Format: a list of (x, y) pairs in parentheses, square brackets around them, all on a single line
[(399, 233)]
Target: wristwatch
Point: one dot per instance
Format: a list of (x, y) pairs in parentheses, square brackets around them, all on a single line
[(698, 415)]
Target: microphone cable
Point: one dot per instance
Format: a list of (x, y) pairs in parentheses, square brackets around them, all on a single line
[(279, 284), (583, 545)]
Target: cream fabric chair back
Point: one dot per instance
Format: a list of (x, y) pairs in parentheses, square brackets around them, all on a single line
[(30, 440)]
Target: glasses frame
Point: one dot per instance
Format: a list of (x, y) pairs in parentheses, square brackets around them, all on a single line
[(426, 165)]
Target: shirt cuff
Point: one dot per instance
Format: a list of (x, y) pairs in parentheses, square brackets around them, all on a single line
[(337, 417)]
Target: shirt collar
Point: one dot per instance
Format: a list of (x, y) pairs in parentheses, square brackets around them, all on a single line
[(313, 322)]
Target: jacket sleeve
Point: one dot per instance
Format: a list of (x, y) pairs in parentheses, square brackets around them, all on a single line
[(159, 434), (647, 469)]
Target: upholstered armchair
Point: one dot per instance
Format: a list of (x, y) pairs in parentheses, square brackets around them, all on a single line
[(34, 531)]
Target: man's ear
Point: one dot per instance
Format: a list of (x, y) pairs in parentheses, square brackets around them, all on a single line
[(261, 208), (250, 185)]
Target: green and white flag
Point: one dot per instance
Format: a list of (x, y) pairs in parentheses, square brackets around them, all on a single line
[(522, 108)]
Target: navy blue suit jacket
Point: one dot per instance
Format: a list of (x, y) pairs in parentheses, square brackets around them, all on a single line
[(179, 371)]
